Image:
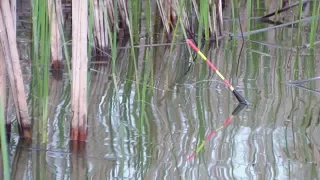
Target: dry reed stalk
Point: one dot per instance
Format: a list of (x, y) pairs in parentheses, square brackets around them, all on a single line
[(100, 28), (55, 14), (10, 50), (169, 12), (195, 8), (215, 18), (110, 11), (219, 17), (164, 14), (184, 15), (79, 70), (13, 4), (124, 19)]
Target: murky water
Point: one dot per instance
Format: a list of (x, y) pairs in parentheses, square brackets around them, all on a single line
[(130, 136)]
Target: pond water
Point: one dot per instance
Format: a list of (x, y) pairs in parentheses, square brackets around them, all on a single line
[(148, 130)]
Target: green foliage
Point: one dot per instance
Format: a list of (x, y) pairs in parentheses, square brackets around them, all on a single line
[(41, 33)]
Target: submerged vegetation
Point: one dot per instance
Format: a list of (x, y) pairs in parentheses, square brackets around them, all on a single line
[(68, 38)]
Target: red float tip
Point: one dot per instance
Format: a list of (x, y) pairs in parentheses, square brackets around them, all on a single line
[(192, 156), (192, 45)]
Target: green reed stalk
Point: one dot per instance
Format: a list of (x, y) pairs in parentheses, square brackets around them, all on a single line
[(181, 2), (300, 24), (203, 21), (234, 22), (233, 15), (112, 35), (133, 54), (136, 6), (64, 47), (90, 30), (175, 31), (45, 58), (41, 32), (4, 146), (148, 12), (315, 22), (35, 55), (249, 14)]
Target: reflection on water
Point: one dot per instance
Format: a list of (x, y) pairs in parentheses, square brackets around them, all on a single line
[(274, 137), (130, 136)]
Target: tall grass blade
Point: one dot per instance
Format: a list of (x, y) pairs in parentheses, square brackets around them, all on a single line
[(4, 146)]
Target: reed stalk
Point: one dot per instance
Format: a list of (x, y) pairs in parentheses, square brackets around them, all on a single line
[(55, 10), (3, 81), (249, 14), (9, 46), (79, 70), (315, 22), (64, 47), (298, 42), (148, 13), (41, 35), (135, 19), (90, 30), (99, 13), (203, 21), (13, 6), (132, 50), (4, 146)]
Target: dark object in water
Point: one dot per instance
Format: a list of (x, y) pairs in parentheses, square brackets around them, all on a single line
[(240, 98), (56, 65), (56, 69)]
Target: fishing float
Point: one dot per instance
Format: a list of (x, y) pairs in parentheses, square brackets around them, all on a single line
[(239, 97)]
